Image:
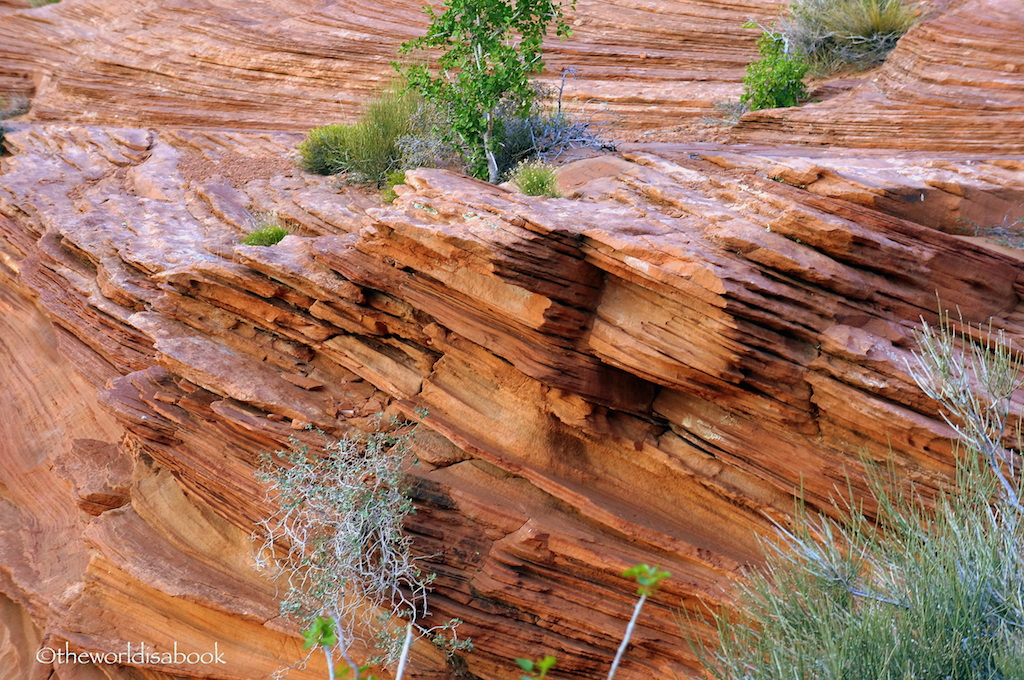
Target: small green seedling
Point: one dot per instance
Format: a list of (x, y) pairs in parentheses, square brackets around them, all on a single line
[(648, 578), (536, 669), (322, 633)]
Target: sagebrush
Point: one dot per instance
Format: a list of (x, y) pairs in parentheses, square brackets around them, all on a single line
[(337, 542), (337, 536), (1009, 233), (546, 129), (13, 105)]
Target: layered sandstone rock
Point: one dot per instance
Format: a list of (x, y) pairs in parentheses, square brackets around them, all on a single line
[(954, 83), (645, 371), (293, 65)]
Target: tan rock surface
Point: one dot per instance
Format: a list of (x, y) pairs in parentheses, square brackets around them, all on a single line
[(643, 372)]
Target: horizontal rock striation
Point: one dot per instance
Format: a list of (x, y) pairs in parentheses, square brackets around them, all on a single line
[(955, 82), (294, 65)]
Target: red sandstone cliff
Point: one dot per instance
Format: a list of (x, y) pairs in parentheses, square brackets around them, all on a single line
[(642, 372)]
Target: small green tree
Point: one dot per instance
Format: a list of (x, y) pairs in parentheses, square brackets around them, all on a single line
[(776, 79), (490, 49)]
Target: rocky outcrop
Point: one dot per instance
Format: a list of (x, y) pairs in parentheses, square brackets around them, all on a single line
[(645, 371), (954, 83), (642, 373)]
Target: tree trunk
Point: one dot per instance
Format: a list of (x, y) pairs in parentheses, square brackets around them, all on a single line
[(492, 162)]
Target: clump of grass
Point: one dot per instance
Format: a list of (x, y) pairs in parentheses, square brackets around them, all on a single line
[(267, 230), (323, 150), (837, 35), (536, 178), (367, 150), (13, 105), (393, 179), (41, 3)]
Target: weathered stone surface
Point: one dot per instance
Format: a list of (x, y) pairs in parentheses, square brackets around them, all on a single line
[(644, 372), (955, 82), (292, 65)]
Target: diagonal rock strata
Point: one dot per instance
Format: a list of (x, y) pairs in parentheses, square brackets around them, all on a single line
[(644, 373)]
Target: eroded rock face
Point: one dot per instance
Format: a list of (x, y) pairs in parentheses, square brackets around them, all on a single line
[(642, 372)]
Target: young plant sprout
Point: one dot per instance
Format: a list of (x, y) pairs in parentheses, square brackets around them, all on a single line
[(648, 578), (537, 669)]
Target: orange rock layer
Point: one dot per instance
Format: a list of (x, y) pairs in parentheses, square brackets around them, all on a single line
[(642, 372)]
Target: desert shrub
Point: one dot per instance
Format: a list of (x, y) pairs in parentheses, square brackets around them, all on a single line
[(776, 79), (427, 143), (266, 230), (367, 150), (489, 51), (923, 590), (337, 540), (727, 112), (836, 35), (339, 519), (41, 3), (1010, 233), (546, 130), (536, 178), (394, 179)]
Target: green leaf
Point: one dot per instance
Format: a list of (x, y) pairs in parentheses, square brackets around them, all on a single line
[(320, 633), (647, 577), (525, 664)]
